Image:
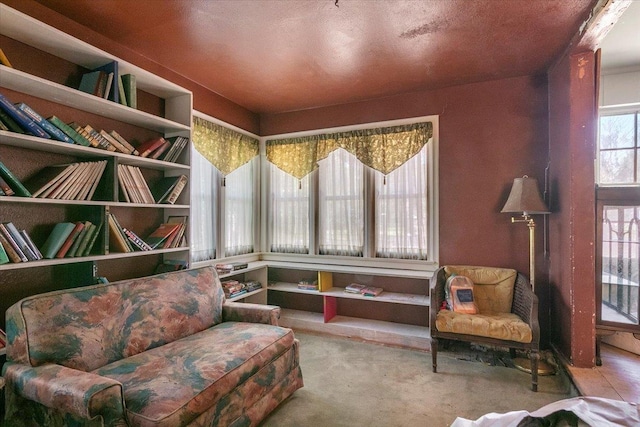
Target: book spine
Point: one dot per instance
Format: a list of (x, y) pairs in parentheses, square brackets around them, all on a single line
[(4, 187), (48, 127), (4, 257), (124, 142), (22, 119), (9, 122), (177, 189), (68, 130), (102, 142), (11, 252), (14, 245), (72, 237), (94, 237), (13, 182), (32, 245), (136, 240), (119, 147), (85, 134)]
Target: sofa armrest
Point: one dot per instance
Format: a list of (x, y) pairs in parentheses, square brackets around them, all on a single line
[(248, 312), (67, 390)]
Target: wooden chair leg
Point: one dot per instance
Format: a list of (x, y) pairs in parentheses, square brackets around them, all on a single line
[(534, 369), (434, 354)]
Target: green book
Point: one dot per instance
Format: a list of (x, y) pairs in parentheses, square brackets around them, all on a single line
[(94, 236), (13, 182), (69, 131), (73, 250), (56, 239), (129, 85), (84, 239), (4, 258)]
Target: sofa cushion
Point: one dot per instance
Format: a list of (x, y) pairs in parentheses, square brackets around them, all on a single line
[(503, 326), (493, 290), (89, 327), (173, 384)]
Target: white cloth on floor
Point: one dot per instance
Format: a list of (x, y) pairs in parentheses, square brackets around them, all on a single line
[(591, 411)]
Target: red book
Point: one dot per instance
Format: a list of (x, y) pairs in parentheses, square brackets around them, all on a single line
[(149, 146), (72, 237)]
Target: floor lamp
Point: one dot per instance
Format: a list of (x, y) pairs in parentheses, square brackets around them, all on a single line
[(526, 200)]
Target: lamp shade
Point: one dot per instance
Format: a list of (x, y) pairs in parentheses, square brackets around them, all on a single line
[(525, 197)]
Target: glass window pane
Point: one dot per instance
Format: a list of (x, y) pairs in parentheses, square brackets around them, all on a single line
[(238, 203), (204, 190), (620, 264), (401, 210), (616, 167), (341, 204), (617, 131), (289, 212)]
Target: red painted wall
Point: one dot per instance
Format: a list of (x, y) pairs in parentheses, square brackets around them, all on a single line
[(572, 112)]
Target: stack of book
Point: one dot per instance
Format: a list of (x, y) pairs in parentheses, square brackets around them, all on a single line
[(308, 284), (229, 267), (133, 185), (367, 291), (124, 240), (16, 245), (71, 181), (168, 235), (177, 145), (70, 239), (252, 285), (106, 82), (233, 288)]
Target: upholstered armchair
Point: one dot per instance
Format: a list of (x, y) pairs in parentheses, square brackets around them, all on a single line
[(507, 313)]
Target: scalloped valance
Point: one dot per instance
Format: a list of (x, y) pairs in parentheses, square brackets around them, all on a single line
[(224, 148), (383, 149)]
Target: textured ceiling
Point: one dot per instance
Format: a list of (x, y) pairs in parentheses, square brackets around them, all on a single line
[(282, 55)]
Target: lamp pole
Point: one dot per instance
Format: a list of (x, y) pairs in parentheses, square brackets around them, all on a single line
[(532, 246)]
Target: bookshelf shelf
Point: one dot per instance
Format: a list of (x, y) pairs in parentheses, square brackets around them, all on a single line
[(22, 82), (63, 261), (26, 156), (50, 146), (338, 292)]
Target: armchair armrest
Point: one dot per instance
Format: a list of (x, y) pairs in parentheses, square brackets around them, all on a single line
[(248, 312), (436, 294), (67, 390), (525, 305)]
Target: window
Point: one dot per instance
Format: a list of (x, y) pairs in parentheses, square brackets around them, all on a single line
[(619, 219), (224, 183), (401, 210), (618, 149), (204, 193), (290, 212), (328, 197), (239, 196), (341, 204)]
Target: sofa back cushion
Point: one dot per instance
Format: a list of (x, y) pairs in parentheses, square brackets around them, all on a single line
[(86, 328), (493, 287)]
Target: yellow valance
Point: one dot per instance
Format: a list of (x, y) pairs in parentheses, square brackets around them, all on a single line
[(383, 149), (224, 148)]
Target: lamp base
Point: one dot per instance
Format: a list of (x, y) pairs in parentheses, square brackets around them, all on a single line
[(524, 364)]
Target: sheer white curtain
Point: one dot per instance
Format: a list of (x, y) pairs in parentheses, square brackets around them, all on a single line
[(341, 204), (289, 208), (401, 210), (239, 196), (204, 192)]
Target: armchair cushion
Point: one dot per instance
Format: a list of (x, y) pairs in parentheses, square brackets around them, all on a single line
[(504, 326), (493, 290)]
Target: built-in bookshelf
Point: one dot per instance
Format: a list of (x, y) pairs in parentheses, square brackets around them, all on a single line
[(164, 111), (397, 316)]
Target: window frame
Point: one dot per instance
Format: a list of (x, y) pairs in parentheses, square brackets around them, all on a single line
[(369, 259)]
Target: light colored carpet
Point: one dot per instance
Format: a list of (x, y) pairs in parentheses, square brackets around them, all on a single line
[(351, 383)]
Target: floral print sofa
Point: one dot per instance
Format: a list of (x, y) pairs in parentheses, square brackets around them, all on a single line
[(165, 350)]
